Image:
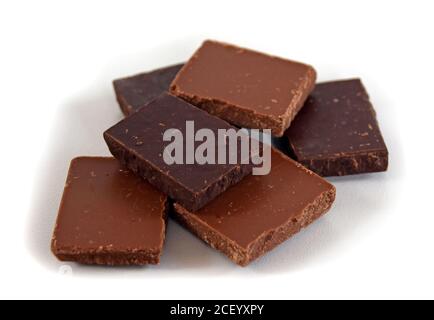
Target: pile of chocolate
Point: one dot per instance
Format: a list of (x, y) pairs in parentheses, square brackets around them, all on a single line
[(114, 211)]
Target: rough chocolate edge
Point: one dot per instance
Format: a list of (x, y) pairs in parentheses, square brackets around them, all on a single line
[(106, 255), (268, 241), (263, 244), (302, 94), (247, 118), (107, 258), (189, 199), (343, 165), (233, 114)]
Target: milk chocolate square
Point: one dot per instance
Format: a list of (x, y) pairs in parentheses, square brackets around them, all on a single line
[(108, 216), (244, 87), (261, 212)]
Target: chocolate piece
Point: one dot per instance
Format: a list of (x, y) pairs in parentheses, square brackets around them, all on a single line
[(261, 212), (137, 142), (108, 216), (137, 91), (244, 87), (337, 133)]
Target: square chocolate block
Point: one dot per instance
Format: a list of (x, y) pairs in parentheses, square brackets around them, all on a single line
[(137, 142), (108, 216), (261, 212), (246, 88), (137, 91), (337, 133)]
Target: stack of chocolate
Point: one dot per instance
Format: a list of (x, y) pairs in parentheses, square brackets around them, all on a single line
[(114, 210)]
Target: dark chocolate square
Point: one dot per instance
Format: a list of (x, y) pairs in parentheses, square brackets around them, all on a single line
[(137, 91), (337, 133), (138, 143)]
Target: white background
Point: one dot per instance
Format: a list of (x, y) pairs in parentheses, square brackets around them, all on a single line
[(57, 60)]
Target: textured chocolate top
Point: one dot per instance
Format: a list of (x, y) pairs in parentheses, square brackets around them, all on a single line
[(260, 204), (106, 207), (244, 78), (337, 119), (142, 135), (137, 91)]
